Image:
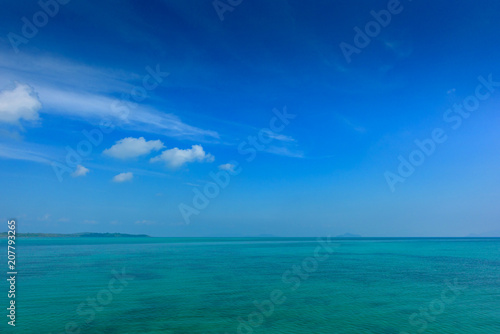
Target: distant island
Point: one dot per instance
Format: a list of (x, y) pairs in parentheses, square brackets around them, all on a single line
[(76, 235), (348, 235)]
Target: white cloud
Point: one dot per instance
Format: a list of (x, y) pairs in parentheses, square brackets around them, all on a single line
[(19, 103), (80, 171), (129, 147), (176, 157), (90, 222), (227, 167), (123, 177)]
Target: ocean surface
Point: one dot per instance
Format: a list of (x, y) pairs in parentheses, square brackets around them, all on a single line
[(254, 285)]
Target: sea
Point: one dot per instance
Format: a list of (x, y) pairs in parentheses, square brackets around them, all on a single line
[(254, 285)]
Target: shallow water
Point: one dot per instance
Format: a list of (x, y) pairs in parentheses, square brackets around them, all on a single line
[(255, 285)]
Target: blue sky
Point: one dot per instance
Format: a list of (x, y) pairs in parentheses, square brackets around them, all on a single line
[(170, 94)]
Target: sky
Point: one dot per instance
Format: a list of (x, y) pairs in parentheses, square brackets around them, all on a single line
[(248, 118)]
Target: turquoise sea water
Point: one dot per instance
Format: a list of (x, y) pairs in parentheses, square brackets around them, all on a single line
[(255, 285)]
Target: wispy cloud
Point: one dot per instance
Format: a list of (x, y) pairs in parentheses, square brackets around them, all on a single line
[(350, 124), (88, 94), (30, 152), (94, 107), (283, 145), (284, 151), (278, 136), (62, 72)]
